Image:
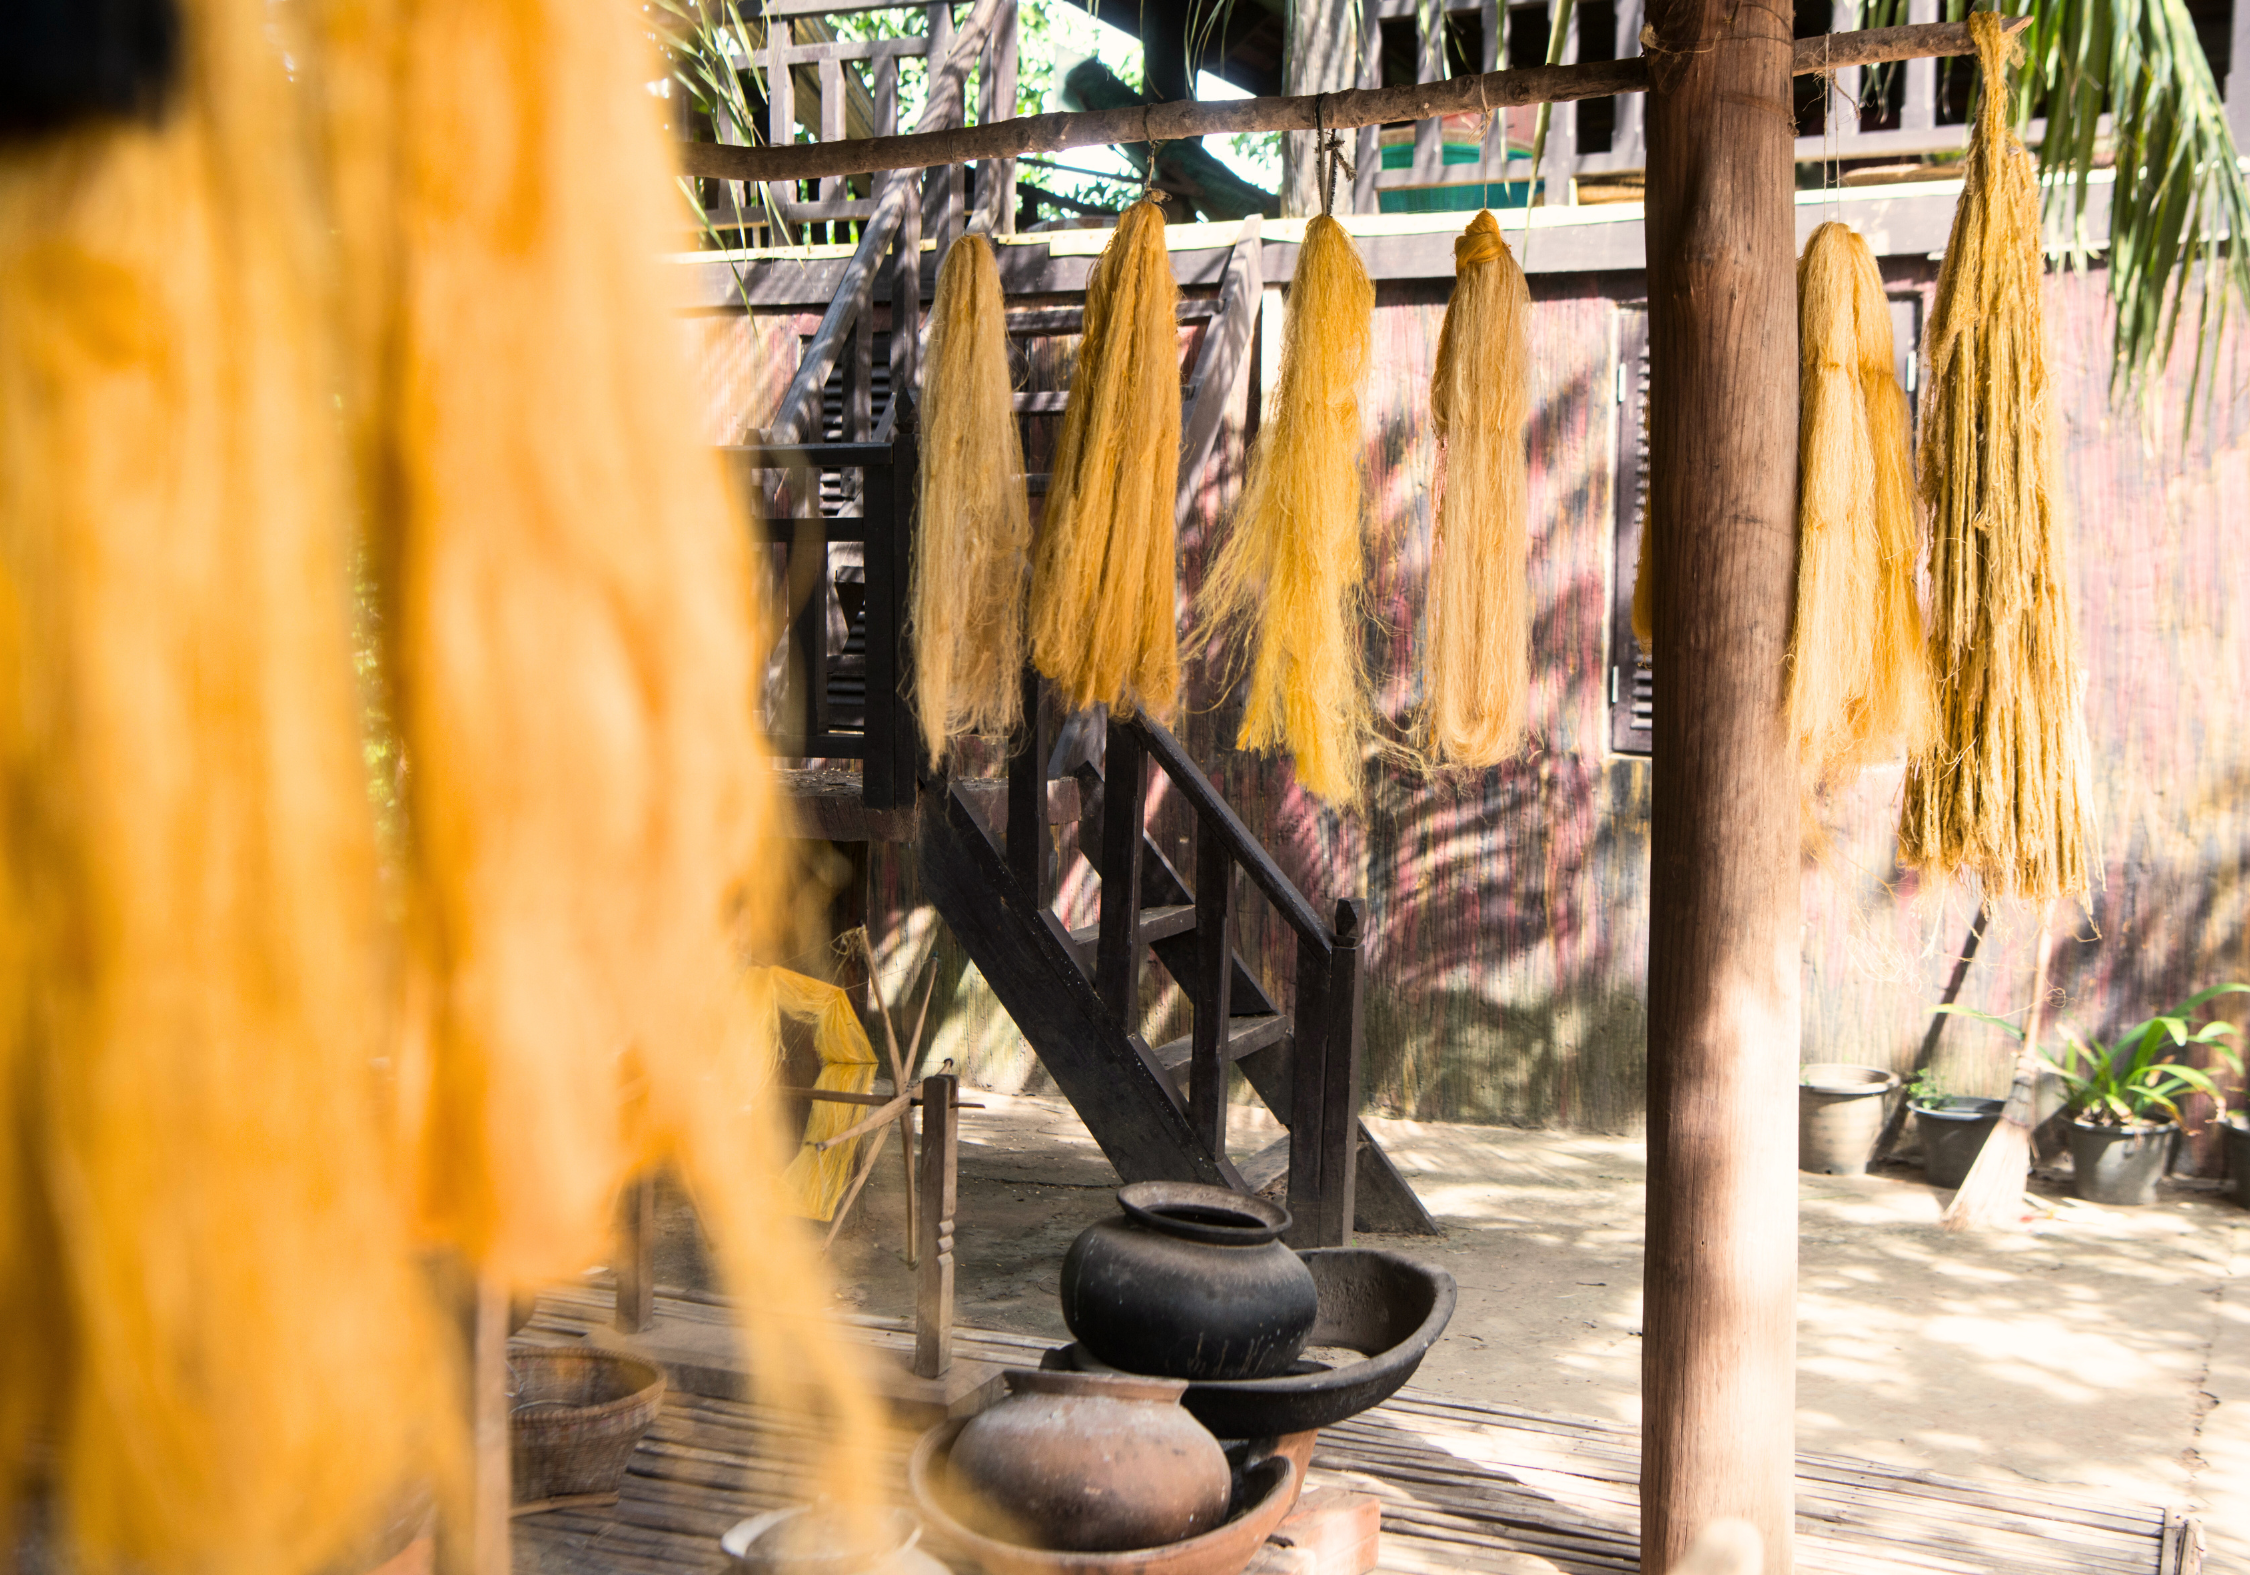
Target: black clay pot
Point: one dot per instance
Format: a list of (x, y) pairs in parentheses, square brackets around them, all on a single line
[(1953, 1130), (1191, 1282), (2237, 1130), (2120, 1165)]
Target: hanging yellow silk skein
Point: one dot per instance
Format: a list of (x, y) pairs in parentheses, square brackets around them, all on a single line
[(1476, 657), (1858, 687), (1290, 572), (1104, 620), (2002, 793), (971, 550), (208, 1314), (574, 654)]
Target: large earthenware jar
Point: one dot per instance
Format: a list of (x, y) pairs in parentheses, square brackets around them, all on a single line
[(1088, 1464), (1190, 1282)]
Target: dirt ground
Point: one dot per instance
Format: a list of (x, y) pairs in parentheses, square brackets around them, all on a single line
[(2096, 1348)]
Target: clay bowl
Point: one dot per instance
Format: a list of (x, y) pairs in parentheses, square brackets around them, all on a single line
[(795, 1541), (1269, 1489), (1382, 1304)]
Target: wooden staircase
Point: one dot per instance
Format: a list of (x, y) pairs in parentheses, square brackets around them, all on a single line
[(1160, 1113)]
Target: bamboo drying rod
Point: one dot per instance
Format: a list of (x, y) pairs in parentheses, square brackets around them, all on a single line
[(1182, 119)]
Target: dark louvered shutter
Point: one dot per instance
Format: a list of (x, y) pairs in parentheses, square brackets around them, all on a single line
[(1632, 678)]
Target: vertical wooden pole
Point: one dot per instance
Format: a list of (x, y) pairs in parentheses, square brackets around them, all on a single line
[(933, 1285), (1031, 851), (1324, 1087), (1719, 1330), (635, 1268), (1117, 958), (1214, 980), (490, 1499)]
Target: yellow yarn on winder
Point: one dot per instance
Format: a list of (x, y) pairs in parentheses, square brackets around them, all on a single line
[(1476, 656), (2002, 793), (1290, 573), (1858, 687), (815, 1179), (1104, 624), (971, 550)]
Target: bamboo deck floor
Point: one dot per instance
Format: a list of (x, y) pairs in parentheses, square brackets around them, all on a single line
[(1464, 1487)]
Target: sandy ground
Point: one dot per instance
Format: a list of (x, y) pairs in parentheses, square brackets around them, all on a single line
[(2098, 1348)]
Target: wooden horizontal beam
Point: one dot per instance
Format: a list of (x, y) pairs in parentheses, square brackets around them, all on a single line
[(1183, 119)]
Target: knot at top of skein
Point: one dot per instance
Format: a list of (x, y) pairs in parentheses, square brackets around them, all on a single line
[(1479, 243)]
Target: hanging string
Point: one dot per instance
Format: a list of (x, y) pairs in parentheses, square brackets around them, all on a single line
[(1830, 175)]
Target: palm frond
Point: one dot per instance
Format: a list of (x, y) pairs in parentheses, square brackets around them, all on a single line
[(2179, 192), (2123, 86)]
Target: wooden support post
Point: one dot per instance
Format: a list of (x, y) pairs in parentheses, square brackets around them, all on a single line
[(491, 1499), (635, 1268), (1214, 962), (1117, 959), (933, 1284), (1031, 850), (1324, 1088), (1719, 1330)]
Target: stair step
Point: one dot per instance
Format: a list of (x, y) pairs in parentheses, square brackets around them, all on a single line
[(1245, 1036), (1157, 924), (1269, 1165)]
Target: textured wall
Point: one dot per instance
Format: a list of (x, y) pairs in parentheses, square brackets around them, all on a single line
[(1508, 907)]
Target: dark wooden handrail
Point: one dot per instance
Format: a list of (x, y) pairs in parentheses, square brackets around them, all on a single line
[(1219, 818), (806, 456)]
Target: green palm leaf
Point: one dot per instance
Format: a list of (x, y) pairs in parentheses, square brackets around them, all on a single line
[(2178, 187)]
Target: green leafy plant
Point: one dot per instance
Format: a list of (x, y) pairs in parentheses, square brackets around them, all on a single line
[(1926, 1090), (2132, 1079)]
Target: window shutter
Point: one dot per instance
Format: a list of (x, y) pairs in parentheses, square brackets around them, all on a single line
[(1632, 677)]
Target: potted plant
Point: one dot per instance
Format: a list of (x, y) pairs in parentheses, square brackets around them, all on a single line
[(1951, 1128), (2236, 1130), (2123, 1097), (1839, 1116)]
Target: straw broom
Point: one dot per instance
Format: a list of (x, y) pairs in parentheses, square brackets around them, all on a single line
[(971, 554), (1476, 659), (2002, 793), (1104, 625), (1991, 1195), (1290, 572)]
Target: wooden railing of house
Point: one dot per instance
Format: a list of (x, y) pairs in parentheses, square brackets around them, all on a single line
[(1918, 130), (849, 705), (901, 206)]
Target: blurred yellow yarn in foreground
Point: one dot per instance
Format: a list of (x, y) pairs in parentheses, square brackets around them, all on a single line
[(378, 288)]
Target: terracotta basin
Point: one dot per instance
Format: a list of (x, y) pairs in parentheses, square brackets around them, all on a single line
[(1270, 1488)]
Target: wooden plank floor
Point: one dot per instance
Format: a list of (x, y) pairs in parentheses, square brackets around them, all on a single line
[(1464, 1486)]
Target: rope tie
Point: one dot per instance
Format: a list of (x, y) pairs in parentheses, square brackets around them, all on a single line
[(1479, 243)]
